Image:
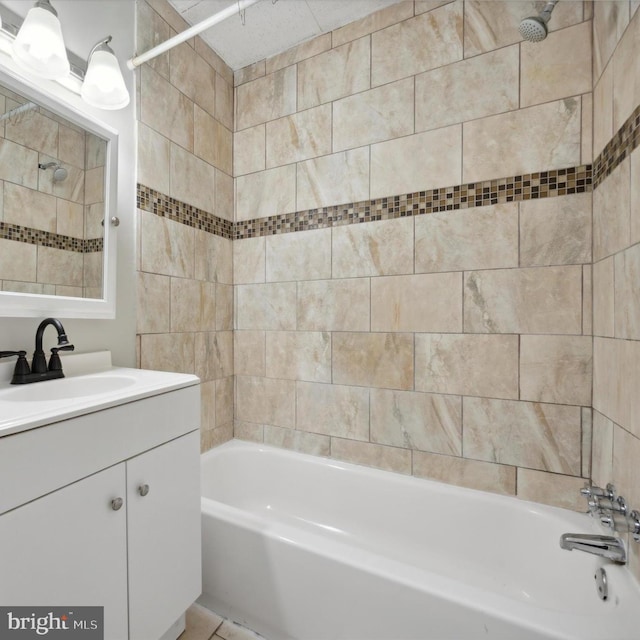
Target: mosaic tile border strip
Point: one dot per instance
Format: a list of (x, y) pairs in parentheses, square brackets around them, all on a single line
[(623, 143), (542, 184), (166, 207), (42, 238)]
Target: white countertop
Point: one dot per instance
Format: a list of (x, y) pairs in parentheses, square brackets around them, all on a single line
[(100, 386)]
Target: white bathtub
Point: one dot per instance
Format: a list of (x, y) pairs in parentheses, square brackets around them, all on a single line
[(301, 547)]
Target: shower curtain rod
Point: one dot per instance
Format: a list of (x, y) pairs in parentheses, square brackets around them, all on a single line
[(236, 7)]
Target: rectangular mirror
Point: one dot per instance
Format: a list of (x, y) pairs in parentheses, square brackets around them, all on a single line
[(57, 186)]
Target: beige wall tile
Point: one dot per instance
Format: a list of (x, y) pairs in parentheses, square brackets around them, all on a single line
[(373, 22), (57, 266), (373, 248), (165, 109), (534, 300), (70, 219), (224, 307), (212, 141), (538, 138), (373, 359), (335, 74), (18, 164), (207, 405), (193, 305), (18, 261), (560, 69), (587, 300), (491, 25), (333, 410), (484, 476), (555, 231), (300, 441), (475, 365), (603, 298), (151, 30), (442, 28), (224, 400), (93, 186), (153, 303), (477, 238), (372, 116), (406, 303), (301, 136), (428, 5), (249, 262), (414, 420), (213, 258), (458, 92), (37, 131), (249, 150), (168, 352), (635, 195), (213, 355), (603, 111), (267, 193), (304, 255), (614, 395), (249, 353), (224, 101), (298, 355), (270, 306), (266, 98), (602, 450), (525, 434), (627, 302), (167, 246), (192, 180), (154, 159), (416, 163), (266, 401), (556, 369), (372, 455), (587, 129), (611, 212), (551, 488), (224, 195), (334, 305), (29, 208), (248, 431), (338, 178), (299, 52), (609, 22), (189, 73), (214, 60), (587, 435), (626, 474), (71, 146)]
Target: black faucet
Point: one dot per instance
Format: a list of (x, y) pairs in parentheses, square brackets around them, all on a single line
[(39, 370)]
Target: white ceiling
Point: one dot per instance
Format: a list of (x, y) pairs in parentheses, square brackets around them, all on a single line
[(270, 27)]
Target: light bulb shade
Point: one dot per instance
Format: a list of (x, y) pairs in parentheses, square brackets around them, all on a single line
[(39, 47), (103, 85)]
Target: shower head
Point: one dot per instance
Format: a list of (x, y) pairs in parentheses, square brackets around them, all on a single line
[(534, 28), (59, 173)]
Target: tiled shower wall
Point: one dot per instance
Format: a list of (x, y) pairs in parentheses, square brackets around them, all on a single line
[(616, 268), (185, 192), (455, 344)]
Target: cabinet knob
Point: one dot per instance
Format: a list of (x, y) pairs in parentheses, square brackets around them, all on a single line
[(117, 503), (143, 489)]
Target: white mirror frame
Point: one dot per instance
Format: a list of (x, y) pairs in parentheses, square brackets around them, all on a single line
[(21, 305)]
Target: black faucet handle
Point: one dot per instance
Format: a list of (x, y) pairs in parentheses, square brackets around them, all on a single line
[(8, 354)]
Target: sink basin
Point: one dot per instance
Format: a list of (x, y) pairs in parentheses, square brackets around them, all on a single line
[(68, 388)]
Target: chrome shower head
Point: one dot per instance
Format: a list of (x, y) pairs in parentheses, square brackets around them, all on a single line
[(59, 173), (534, 28)]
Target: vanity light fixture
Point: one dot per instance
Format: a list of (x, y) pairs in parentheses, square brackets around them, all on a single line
[(103, 85), (39, 46)]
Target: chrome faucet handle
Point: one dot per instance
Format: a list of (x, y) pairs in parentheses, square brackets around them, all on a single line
[(623, 523), (619, 505), (593, 491)]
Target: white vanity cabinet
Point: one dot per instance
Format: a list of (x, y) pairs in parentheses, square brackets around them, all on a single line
[(103, 509)]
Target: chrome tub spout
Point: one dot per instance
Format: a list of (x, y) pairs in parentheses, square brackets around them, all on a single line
[(603, 546)]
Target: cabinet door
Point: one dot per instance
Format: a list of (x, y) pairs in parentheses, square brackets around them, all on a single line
[(69, 548), (165, 574)]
